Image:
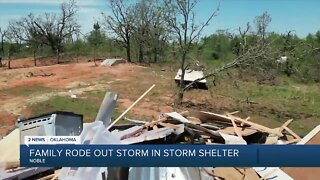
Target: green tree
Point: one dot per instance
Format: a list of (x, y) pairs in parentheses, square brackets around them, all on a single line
[(95, 39), (120, 23)]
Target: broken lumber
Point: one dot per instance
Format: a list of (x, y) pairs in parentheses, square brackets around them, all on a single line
[(247, 119), (208, 117), (292, 133), (235, 128), (235, 112), (259, 127), (126, 111), (169, 125), (243, 131), (213, 134), (292, 141), (285, 125)]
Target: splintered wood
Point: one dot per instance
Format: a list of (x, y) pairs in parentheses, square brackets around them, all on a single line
[(207, 128)]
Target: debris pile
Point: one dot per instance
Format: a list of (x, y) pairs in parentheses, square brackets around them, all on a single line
[(199, 127), (187, 127)]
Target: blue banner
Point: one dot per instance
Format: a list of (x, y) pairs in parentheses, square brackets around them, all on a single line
[(170, 155)]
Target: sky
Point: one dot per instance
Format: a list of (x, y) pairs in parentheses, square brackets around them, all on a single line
[(303, 16)]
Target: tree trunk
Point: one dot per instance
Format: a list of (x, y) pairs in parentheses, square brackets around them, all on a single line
[(140, 53), (155, 55), (2, 46), (58, 56), (9, 59), (181, 87), (128, 48), (34, 58), (94, 56), (128, 53)]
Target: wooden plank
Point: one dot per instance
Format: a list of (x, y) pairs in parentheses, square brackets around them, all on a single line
[(194, 120), (235, 112), (208, 117), (235, 128), (213, 134), (272, 140), (247, 119), (285, 125), (311, 136), (292, 141), (217, 118), (259, 127), (210, 126), (292, 133), (184, 113), (169, 125), (132, 105), (149, 135), (244, 131)]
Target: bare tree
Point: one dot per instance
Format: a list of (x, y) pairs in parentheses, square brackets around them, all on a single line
[(12, 41), (185, 30), (262, 23), (57, 28), (121, 23), (49, 29), (25, 30), (243, 38), (2, 34)]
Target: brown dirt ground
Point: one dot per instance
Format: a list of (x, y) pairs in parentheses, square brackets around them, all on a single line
[(123, 78), (6, 124)]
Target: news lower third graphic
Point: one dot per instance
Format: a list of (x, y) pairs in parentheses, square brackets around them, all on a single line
[(70, 154)]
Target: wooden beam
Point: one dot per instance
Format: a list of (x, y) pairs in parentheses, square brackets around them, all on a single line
[(258, 126), (127, 110), (235, 112), (169, 125), (285, 125), (292, 141), (184, 113), (247, 119), (292, 133), (213, 134), (236, 130)]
